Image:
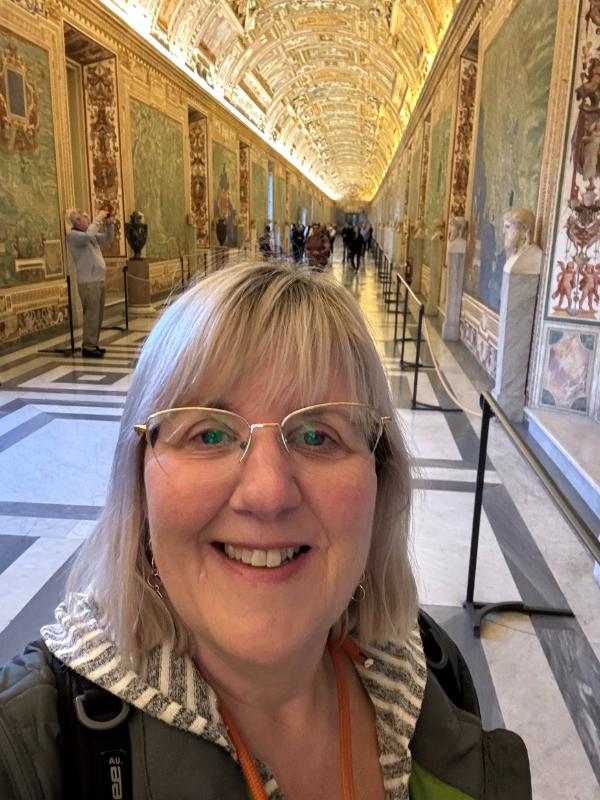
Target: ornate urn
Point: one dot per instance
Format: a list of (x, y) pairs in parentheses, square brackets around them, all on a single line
[(136, 232), (221, 229)]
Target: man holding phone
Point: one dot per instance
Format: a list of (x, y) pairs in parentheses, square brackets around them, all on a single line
[(84, 241)]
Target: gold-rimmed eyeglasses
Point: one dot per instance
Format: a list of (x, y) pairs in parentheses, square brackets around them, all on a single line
[(315, 435)]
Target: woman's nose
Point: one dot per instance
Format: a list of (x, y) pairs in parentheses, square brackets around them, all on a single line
[(266, 483)]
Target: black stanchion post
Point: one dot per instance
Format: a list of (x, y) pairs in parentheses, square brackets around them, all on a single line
[(182, 273), (417, 357), (483, 440), (70, 302), (125, 276), (396, 309), (65, 351), (404, 319)]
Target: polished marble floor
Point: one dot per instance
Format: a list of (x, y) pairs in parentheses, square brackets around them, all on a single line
[(539, 676)]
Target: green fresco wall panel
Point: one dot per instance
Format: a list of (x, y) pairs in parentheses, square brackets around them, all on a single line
[(259, 197), (158, 179), (413, 189), (512, 119), (279, 201), (29, 202), (437, 180)]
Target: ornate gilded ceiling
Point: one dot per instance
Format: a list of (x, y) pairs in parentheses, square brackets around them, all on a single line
[(332, 82)]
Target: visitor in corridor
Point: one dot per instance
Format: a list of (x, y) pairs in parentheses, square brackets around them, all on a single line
[(84, 241), (356, 246), (264, 243), (317, 247), (243, 621)]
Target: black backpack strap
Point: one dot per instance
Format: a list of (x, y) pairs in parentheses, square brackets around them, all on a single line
[(94, 738)]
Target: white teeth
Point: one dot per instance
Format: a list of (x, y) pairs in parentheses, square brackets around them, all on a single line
[(261, 558), (274, 558)]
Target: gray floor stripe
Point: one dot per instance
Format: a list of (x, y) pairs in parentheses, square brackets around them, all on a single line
[(47, 510), (25, 627), (11, 547)]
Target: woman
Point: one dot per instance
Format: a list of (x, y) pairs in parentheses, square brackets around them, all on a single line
[(247, 591)]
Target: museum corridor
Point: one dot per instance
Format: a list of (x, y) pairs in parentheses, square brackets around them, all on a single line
[(147, 144), (58, 425)]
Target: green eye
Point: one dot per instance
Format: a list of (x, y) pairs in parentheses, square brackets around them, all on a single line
[(214, 436), (313, 438)]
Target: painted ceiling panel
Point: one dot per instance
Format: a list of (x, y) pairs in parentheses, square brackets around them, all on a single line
[(333, 82)]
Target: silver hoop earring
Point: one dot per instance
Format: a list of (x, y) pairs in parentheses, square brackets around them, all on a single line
[(153, 580)]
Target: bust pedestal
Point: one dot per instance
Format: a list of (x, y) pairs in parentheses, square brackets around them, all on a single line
[(138, 288), (437, 250), (416, 250), (457, 249), (517, 307)]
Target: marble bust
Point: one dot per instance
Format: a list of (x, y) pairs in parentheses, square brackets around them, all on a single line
[(523, 256)]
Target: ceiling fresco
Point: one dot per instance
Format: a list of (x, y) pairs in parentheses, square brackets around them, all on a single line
[(332, 82)]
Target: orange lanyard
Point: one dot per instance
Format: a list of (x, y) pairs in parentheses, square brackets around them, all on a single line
[(253, 779)]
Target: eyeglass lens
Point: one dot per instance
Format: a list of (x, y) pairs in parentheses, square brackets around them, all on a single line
[(316, 435)]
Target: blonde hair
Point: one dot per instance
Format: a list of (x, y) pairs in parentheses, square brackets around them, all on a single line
[(219, 333)]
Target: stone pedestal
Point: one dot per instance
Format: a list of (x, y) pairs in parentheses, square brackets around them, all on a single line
[(138, 288), (437, 252), (416, 254), (517, 307), (454, 289)]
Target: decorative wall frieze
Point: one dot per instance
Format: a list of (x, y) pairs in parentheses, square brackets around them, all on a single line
[(463, 138), (198, 136), (104, 144), (33, 6), (479, 329), (31, 309)]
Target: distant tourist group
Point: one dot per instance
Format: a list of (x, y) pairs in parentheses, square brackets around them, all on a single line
[(314, 243)]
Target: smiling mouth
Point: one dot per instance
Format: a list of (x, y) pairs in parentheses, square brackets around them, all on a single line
[(276, 557)]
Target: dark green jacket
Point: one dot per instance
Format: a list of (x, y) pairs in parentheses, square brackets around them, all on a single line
[(453, 759)]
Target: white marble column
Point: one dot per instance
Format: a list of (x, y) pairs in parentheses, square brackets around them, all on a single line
[(455, 259), (517, 307)]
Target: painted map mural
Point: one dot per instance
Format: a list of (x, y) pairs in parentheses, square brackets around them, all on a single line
[(225, 189), (512, 118), (258, 204), (30, 227), (158, 179)]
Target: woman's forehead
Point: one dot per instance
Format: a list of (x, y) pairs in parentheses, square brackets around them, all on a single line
[(269, 385)]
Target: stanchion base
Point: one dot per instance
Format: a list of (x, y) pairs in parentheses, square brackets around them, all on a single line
[(483, 609), (60, 351), (419, 406), (412, 364)]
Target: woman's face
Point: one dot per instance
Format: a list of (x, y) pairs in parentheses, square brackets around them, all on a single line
[(243, 612)]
